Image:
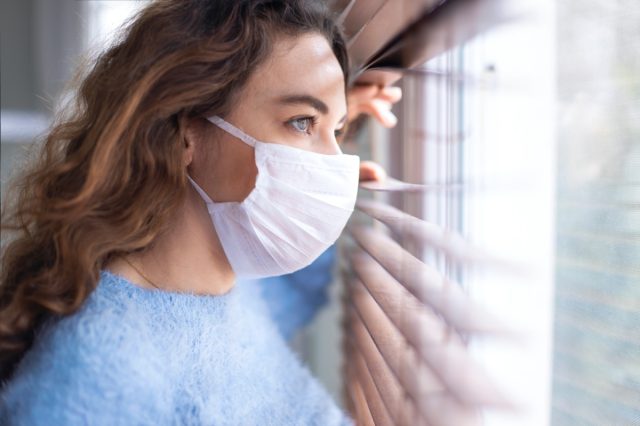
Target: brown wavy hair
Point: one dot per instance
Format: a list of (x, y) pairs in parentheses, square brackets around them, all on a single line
[(110, 174)]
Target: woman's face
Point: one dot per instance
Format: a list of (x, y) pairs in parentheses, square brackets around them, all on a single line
[(296, 98)]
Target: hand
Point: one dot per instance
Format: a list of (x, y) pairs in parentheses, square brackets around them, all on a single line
[(376, 101), (370, 170), (373, 100)]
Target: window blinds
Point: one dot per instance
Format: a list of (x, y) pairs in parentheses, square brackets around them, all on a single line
[(407, 325), (387, 35), (408, 320)]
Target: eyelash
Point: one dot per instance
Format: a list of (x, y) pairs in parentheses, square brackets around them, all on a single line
[(313, 121)]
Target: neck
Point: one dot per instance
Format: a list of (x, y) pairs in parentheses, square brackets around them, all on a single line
[(187, 258)]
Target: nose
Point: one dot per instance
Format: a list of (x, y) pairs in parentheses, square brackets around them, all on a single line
[(330, 144)]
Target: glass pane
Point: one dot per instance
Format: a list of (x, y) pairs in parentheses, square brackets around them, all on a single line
[(596, 378)]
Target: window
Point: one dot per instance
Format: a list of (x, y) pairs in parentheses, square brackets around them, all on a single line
[(104, 17), (597, 302), (514, 196)]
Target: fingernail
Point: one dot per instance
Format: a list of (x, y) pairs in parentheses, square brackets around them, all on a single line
[(391, 119)]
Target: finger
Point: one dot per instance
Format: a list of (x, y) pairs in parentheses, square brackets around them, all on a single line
[(373, 100), (381, 111), (357, 96), (371, 171), (390, 93), (361, 93)]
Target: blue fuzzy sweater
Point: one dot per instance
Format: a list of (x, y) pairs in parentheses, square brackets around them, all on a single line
[(134, 356)]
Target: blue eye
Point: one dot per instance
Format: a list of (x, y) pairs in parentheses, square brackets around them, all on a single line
[(303, 124), (306, 124)]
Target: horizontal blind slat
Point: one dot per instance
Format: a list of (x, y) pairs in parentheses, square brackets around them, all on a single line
[(380, 398), (389, 184), (435, 367), (393, 395), (439, 348), (409, 372), (434, 236), (451, 23), (427, 284), (358, 399), (388, 21), (358, 16)]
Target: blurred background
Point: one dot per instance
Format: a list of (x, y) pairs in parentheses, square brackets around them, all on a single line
[(539, 118)]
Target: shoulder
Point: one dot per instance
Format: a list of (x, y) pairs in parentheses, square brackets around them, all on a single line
[(98, 363)]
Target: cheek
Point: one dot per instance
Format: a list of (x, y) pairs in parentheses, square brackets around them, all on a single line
[(229, 170), (245, 173), (200, 166)]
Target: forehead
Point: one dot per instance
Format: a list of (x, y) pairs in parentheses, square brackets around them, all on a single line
[(304, 64)]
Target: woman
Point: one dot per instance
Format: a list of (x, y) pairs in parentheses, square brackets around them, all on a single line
[(203, 149)]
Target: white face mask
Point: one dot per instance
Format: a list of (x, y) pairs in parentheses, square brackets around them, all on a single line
[(299, 206)]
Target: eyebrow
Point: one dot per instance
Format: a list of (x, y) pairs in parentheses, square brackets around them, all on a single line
[(308, 100)]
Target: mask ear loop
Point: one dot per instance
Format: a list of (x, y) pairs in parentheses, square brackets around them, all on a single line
[(230, 128), (200, 191)]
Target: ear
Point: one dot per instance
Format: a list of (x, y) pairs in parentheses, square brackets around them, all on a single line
[(190, 139)]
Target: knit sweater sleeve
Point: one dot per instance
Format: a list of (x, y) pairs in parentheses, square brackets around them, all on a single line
[(294, 299), (85, 371)]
